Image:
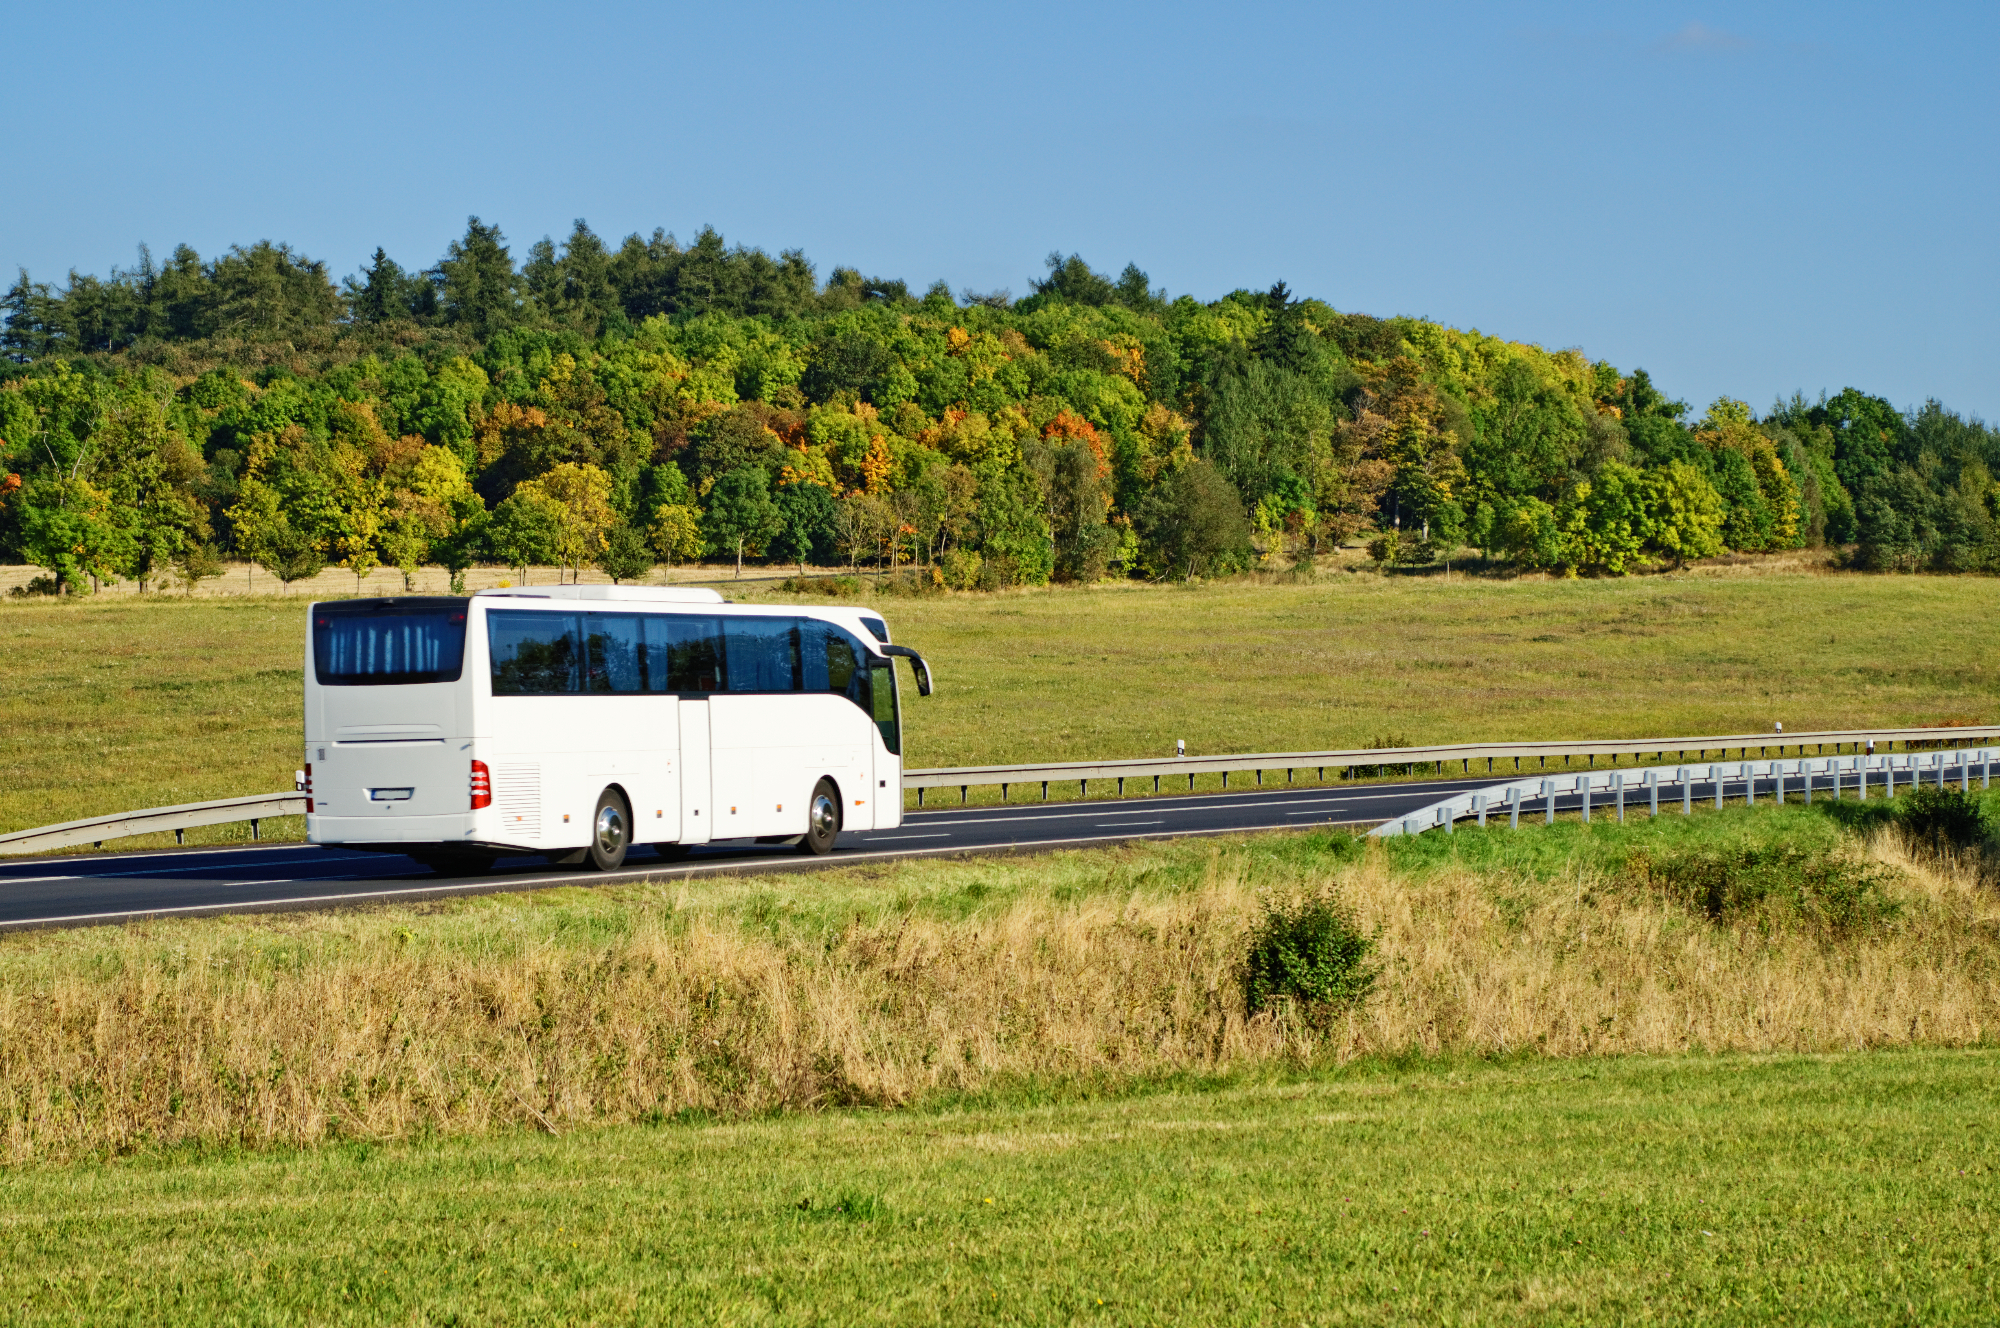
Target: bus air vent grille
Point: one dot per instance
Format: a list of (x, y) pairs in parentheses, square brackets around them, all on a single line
[(517, 796)]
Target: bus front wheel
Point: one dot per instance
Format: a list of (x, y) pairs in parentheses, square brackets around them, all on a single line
[(610, 832), (822, 819)]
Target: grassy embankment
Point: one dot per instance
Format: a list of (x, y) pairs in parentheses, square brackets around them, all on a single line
[(559, 1106), (130, 702), (895, 985)]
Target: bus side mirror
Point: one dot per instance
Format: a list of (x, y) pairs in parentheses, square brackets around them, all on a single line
[(917, 666)]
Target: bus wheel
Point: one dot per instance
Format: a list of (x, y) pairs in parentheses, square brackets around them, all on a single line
[(610, 832), (822, 819)]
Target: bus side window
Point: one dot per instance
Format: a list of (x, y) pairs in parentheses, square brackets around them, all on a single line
[(683, 653), (762, 654), (844, 674), (534, 654), (617, 655), (885, 708), (812, 656)]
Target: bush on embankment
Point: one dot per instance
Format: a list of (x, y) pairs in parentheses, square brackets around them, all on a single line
[(892, 986)]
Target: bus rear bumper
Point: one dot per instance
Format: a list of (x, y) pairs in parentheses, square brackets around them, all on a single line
[(456, 829)]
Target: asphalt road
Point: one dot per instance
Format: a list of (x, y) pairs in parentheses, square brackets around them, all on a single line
[(85, 889)]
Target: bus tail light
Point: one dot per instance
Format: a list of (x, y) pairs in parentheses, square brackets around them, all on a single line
[(482, 786)]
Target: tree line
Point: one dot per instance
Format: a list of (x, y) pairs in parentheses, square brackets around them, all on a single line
[(621, 407)]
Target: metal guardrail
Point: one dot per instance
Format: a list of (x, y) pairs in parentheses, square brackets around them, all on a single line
[(1584, 784), (178, 818), (966, 777), (95, 830)]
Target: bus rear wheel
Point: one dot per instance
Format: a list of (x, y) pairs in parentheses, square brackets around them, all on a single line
[(822, 820), (610, 831)]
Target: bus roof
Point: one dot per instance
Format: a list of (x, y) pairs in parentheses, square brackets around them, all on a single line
[(633, 594)]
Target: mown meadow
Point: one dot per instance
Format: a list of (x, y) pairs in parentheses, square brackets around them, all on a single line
[(121, 702)]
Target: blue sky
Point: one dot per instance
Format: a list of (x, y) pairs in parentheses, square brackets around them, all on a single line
[(1745, 200)]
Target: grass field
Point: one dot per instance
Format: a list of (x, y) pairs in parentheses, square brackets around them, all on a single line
[(1843, 1189), (126, 702), (902, 984)]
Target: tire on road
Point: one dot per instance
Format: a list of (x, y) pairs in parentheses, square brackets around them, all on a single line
[(610, 831), (822, 819)]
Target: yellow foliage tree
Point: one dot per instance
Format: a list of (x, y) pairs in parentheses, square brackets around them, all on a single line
[(583, 492)]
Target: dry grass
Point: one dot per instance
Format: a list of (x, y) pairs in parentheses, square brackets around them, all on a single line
[(1115, 966)]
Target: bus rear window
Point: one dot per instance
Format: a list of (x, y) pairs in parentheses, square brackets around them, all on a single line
[(359, 644)]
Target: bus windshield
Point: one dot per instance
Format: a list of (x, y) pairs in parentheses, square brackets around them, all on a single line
[(386, 642)]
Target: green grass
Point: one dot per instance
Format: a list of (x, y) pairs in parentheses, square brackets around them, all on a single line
[(1838, 1189), (125, 702)]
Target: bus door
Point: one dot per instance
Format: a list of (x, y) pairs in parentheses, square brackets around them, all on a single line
[(697, 813)]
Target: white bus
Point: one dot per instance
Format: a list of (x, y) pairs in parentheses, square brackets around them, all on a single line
[(577, 721)]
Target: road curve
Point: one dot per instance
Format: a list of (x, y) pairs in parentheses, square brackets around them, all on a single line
[(101, 888)]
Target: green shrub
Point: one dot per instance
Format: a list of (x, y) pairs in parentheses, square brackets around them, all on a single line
[(1310, 953), (1941, 820), (1771, 885)]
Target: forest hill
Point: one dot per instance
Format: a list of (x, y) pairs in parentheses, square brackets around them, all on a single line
[(667, 402)]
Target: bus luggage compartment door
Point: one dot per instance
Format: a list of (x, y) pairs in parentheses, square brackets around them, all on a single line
[(697, 815)]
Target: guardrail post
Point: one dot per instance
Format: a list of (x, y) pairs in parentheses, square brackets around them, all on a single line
[(1479, 805), (1889, 774), (1653, 790), (1715, 773), (1805, 772), (1003, 793), (1083, 789), (180, 837), (1156, 783), (1965, 772), (1045, 790), (961, 794), (253, 828), (1778, 775), (1986, 767), (1749, 773), (920, 797), (1618, 784), (1514, 808), (1549, 792), (1445, 817)]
